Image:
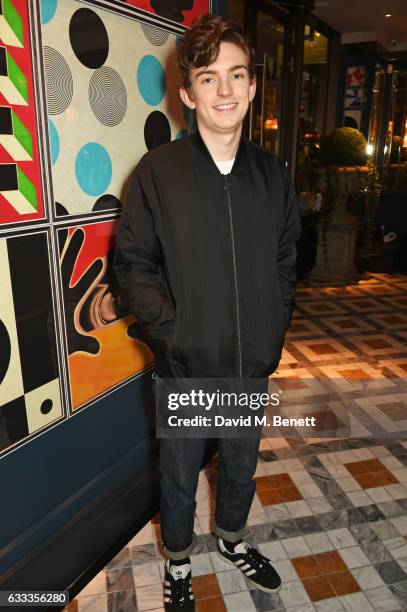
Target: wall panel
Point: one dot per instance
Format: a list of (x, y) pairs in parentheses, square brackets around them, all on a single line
[(21, 197), (30, 395), (101, 351)]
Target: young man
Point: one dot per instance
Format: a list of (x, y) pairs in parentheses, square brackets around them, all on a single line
[(206, 255)]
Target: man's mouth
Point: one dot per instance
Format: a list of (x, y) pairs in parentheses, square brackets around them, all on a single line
[(225, 107)]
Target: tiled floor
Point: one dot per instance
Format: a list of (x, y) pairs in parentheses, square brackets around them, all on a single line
[(331, 513)]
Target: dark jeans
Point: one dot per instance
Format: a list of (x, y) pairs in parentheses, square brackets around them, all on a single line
[(180, 463)]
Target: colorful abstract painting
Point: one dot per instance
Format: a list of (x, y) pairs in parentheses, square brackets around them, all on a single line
[(181, 11), (20, 173), (30, 397), (112, 94), (101, 351)]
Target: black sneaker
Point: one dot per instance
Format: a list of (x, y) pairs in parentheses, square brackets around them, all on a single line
[(178, 588), (257, 568)]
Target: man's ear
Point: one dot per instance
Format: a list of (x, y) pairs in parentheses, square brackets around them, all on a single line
[(186, 97), (252, 88)]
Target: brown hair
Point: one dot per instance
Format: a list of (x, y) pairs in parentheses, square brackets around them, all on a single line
[(200, 44)]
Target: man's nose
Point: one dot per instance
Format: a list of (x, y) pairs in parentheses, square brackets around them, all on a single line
[(224, 87)]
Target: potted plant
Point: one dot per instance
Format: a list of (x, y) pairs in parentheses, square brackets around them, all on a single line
[(342, 164)]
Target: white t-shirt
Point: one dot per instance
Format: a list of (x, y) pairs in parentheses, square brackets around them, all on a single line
[(225, 166)]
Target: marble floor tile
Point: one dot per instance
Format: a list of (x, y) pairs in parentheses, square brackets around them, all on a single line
[(302, 608), (399, 590), (218, 564), (239, 602), (384, 529), (149, 597), (144, 536), (296, 547), (124, 600), (147, 573), (319, 505), (273, 550), (329, 605), (396, 546), (341, 538), (231, 581), (97, 586), (367, 577), (391, 572), (383, 600), (285, 570), (293, 594), (354, 556), (400, 523), (299, 508), (359, 518), (145, 553), (120, 579), (277, 512), (307, 525), (201, 564), (318, 542), (356, 602), (95, 603), (266, 601), (378, 494)]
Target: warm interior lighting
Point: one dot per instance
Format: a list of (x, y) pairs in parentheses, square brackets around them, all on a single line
[(271, 124), (369, 149), (388, 15)]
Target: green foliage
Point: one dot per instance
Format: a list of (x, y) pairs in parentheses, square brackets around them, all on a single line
[(343, 147)]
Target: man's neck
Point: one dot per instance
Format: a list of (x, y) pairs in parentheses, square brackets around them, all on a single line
[(222, 147)]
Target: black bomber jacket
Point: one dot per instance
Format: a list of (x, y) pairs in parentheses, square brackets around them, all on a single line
[(206, 261)]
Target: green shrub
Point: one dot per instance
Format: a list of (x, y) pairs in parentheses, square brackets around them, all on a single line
[(343, 147)]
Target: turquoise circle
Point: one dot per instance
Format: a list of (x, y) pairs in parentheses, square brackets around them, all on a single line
[(190, 118), (151, 80), (48, 8), (54, 141), (93, 169), (182, 134)]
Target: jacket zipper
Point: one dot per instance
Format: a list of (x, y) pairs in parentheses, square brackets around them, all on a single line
[(239, 347)]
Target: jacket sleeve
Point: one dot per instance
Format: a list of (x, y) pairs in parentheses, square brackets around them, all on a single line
[(287, 252), (137, 263)]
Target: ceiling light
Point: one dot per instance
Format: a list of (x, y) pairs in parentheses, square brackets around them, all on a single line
[(388, 15)]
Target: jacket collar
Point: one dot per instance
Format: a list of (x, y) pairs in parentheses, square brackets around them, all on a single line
[(202, 154)]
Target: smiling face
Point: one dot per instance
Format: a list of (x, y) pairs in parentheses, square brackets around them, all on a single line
[(221, 92)]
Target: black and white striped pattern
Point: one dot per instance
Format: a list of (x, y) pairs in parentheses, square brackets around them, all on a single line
[(245, 567), (155, 36), (58, 81), (167, 591), (107, 96)]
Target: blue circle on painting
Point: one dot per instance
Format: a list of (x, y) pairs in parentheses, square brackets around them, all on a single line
[(93, 169), (48, 8), (54, 141), (151, 80), (182, 134), (190, 118)]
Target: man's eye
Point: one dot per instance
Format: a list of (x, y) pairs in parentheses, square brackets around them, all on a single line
[(207, 80), (238, 75)]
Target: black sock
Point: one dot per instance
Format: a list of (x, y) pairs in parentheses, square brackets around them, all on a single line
[(230, 546), (180, 561)]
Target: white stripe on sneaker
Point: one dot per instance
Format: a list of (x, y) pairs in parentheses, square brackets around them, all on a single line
[(246, 567), (253, 571)]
